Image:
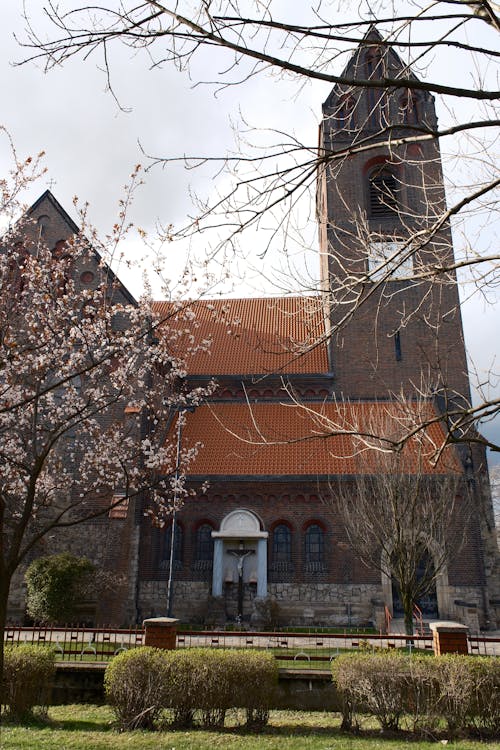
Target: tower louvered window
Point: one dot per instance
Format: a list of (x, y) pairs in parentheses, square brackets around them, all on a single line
[(382, 194)]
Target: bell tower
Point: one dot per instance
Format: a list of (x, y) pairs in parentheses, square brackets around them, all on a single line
[(385, 242)]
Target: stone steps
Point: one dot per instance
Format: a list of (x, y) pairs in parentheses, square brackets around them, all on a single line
[(398, 628)]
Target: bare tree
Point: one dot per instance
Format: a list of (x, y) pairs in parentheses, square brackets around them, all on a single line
[(87, 392), (252, 39), (402, 517)]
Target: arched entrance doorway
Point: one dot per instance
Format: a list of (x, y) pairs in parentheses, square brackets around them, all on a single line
[(427, 602), (436, 604), (240, 561)]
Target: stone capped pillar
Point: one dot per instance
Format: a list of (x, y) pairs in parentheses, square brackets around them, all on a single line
[(449, 638), (161, 632)]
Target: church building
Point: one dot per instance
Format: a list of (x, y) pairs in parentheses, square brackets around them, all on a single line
[(298, 379)]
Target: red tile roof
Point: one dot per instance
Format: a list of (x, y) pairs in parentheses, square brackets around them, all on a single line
[(249, 336), (279, 439)]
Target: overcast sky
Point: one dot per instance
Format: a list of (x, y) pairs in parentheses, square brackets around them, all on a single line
[(91, 146)]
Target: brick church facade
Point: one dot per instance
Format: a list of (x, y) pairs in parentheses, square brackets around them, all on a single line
[(260, 539)]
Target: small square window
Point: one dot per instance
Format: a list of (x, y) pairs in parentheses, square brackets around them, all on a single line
[(120, 510), (397, 346)]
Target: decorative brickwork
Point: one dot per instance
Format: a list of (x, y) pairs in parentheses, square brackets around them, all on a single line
[(161, 632)]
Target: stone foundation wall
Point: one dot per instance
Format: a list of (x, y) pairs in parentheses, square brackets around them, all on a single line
[(315, 604)]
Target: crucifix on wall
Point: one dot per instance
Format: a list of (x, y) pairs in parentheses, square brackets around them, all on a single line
[(240, 554)]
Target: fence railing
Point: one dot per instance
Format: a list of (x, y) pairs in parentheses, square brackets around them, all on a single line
[(84, 644), (300, 649)]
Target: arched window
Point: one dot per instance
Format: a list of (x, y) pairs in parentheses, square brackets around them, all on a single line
[(165, 546), (60, 250), (424, 587), (43, 222), (374, 69), (382, 193), (282, 546), (373, 102), (373, 62), (410, 109), (314, 548), (344, 116), (204, 546)]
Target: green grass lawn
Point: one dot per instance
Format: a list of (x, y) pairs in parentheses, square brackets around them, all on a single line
[(90, 728)]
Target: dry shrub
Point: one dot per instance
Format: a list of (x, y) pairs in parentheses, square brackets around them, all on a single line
[(462, 690), (185, 685), (374, 683), (455, 685), (141, 682), (469, 692), (197, 682), (486, 698), (136, 683), (255, 677), (214, 680)]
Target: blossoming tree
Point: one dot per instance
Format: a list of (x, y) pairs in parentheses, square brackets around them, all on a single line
[(87, 393)]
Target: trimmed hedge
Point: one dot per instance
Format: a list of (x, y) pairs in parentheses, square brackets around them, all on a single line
[(28, 674), (135, 683), (255, 679), (191, 682), (372, 683), (462, 690), (485, 712)]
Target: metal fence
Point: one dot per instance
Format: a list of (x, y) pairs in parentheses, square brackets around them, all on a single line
[(73, 644), (294, 648)]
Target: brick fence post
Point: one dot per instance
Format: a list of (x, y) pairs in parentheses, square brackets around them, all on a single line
[(161, 632), (449, 638)]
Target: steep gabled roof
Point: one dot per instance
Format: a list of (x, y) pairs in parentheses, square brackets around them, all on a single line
[(250, 336), (355, 69), (62, 226), (47, 196)]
